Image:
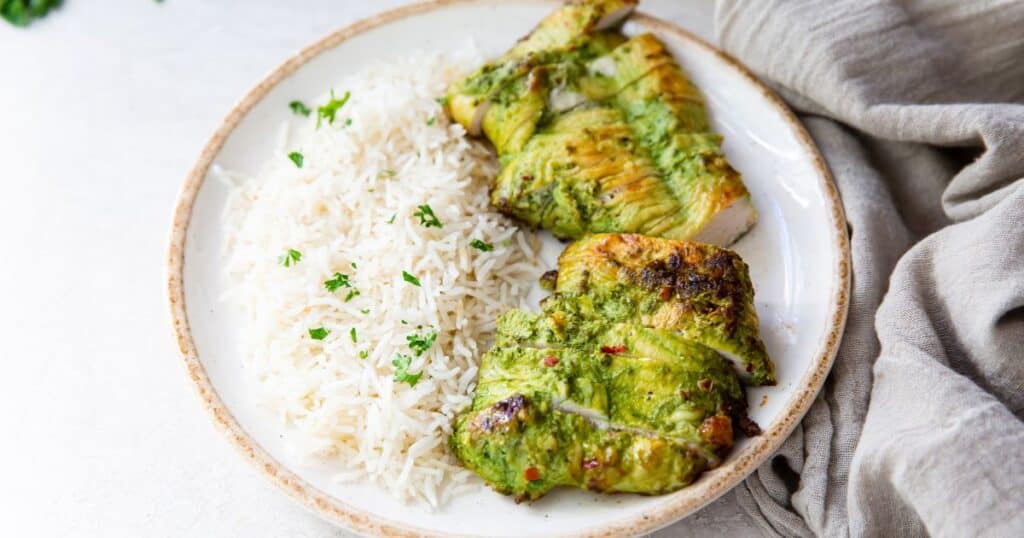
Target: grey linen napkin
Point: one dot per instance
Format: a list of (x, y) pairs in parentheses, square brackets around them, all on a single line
[(918, 107)]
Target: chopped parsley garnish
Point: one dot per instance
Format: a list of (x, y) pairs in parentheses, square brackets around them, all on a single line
[(352, 335), (402, 375), (289, 258), (427, 217), (442, 101), (328, 111), (300, 108), (22, 12), (419, 344), (431, 121), (351, 294), (387, 173), (410, 279), (337, 282), (481, 245), (296, 158), (354, 266), (348, 121), (365, 311), (318, 333), (392, 219), (363, 354)]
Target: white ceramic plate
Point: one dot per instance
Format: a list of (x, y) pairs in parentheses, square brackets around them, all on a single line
[(797, 252)]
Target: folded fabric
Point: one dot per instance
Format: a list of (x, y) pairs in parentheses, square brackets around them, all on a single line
[(918, 107)]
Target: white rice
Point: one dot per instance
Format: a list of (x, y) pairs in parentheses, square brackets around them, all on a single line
[(335, 211)]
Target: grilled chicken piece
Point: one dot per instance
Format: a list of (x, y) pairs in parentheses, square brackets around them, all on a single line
[(570, 36), (643, 419), (568, 62), (574, 19), (622, 383), (584, 173), (667, 114), (700, 291)]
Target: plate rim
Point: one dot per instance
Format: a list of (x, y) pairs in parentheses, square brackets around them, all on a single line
[(679, 504)]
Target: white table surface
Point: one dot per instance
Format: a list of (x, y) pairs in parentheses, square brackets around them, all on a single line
[(104, 106)]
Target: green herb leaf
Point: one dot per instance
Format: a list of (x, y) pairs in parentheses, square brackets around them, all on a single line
[(354, 266), (318, 333), (419, 344), (402, 375), (352, 335), (296, 158), (329, 110), (21, 13), (427, 217), (481, 246), (348, 121), (299, 108), (443, 101), (410, 279), (339, 281), (351, 295), (363, 354), (392, 219), (431, 121), (289, 258), (365, 311), (387, 173)]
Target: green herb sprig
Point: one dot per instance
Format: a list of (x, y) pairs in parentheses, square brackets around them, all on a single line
[(338, 281), (401, 363), (21, 13), (299, 108), (331, 108), (420, 343), (481, 245), (410, 279), (289, 258), (427, 217)]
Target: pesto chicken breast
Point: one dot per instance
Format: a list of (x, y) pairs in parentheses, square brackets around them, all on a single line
[(625, 381), (646, 415), (574, 89), (700, 291)]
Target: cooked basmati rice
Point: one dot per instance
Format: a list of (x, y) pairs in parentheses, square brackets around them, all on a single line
[(350, 209)]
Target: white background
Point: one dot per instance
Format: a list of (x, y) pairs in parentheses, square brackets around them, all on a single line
[(104, 106)]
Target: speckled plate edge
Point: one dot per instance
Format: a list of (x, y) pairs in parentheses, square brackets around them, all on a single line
[(676, 505)]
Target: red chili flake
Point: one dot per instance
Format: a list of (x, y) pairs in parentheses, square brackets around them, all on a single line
[(531, 474), (611, 350), (665, 293), (590, 463), (550, 361)]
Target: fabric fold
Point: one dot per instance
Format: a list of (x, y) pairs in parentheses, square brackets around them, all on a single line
[(918, 108)]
